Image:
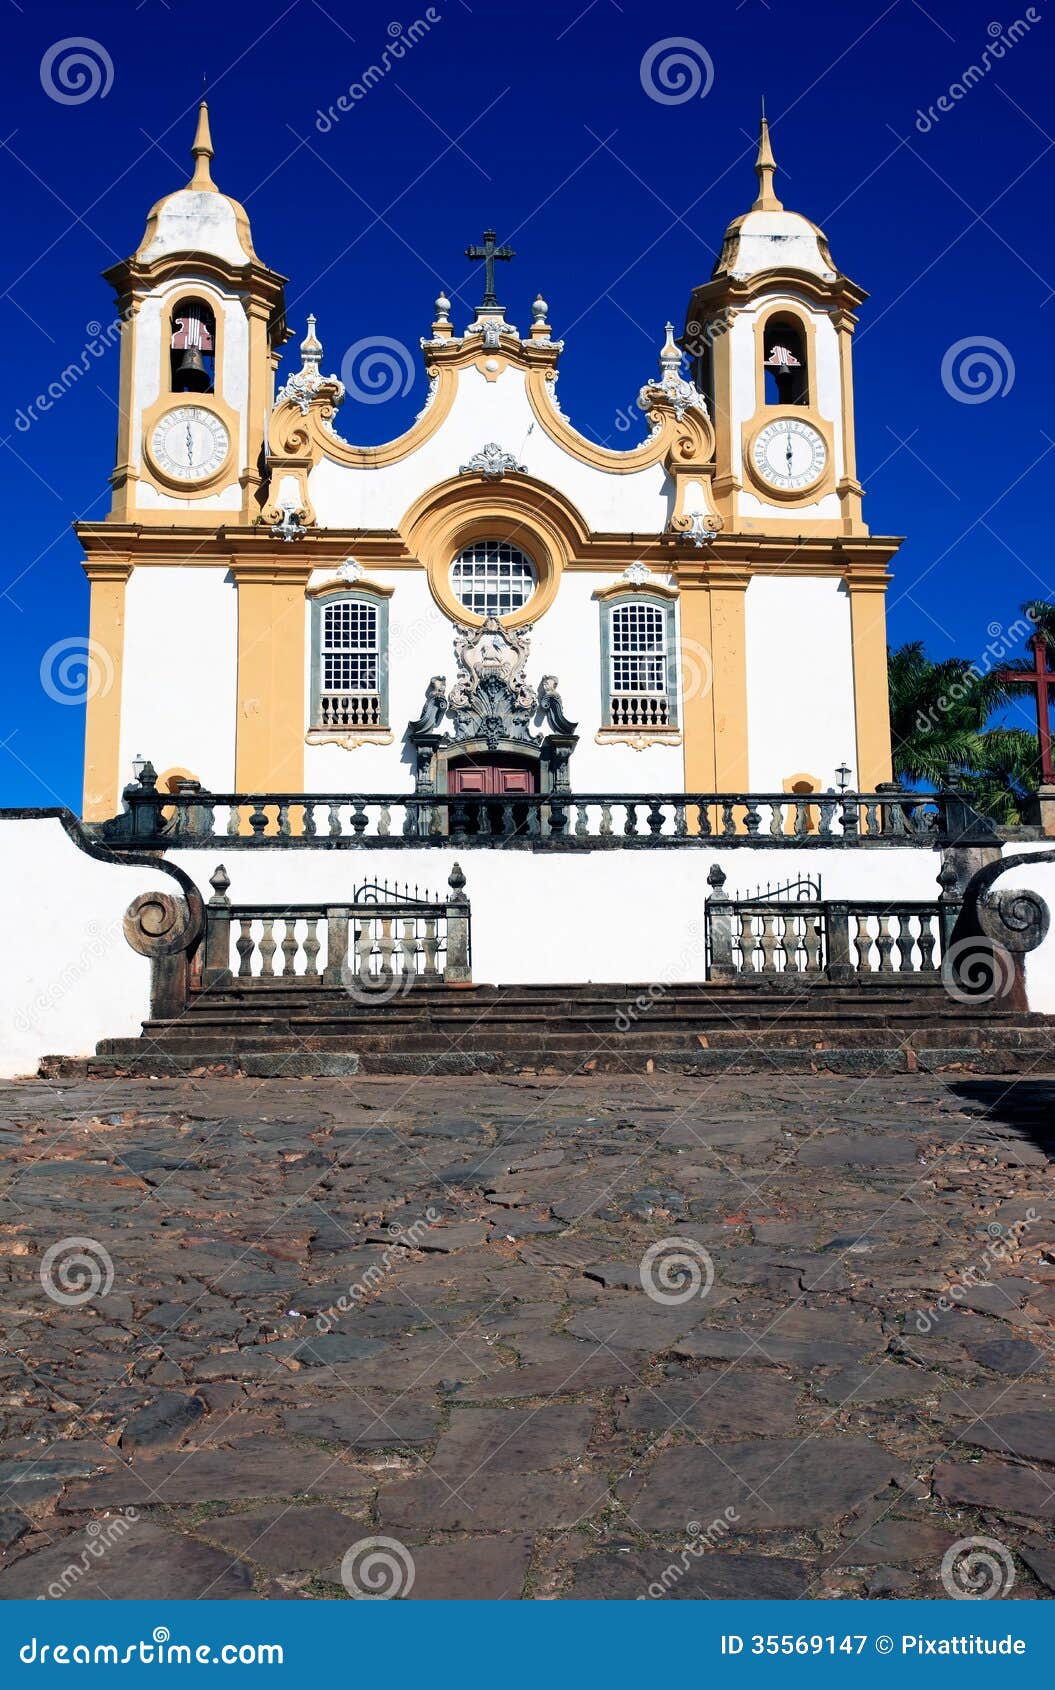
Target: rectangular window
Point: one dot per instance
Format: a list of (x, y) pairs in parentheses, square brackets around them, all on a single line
[(638, 680), (350, 662)]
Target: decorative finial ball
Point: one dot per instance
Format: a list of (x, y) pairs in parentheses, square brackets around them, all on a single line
[(540, 310), (443, 306)]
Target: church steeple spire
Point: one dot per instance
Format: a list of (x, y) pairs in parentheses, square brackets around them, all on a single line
[(765, 170), (202, 152)]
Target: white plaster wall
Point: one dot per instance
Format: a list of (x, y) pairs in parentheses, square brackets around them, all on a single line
[(484, 410), (565, 642), (180, 671), (551, 917), (71, 977), (800, 695)]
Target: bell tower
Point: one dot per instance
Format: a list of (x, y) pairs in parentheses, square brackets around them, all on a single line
[(770, 339), (204, 326)]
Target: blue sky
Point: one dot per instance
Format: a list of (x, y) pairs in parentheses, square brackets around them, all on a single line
[(537, 119)]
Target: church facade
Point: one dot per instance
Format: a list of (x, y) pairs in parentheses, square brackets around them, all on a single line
[(492, 603)]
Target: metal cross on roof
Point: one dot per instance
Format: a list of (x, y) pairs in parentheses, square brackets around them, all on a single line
[(488, 252)]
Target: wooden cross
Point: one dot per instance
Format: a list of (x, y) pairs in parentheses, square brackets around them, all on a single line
[(489, 252), (1040, 679)]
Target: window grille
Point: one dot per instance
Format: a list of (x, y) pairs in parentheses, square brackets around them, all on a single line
[(493, 578), (639, 666)]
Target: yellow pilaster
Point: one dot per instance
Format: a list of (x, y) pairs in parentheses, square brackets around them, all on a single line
[(269, 741), (102, 727), (729, 655), (714, 682), (871, 695)]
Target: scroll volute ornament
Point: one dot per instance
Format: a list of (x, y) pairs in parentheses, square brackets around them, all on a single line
[(159, 924)]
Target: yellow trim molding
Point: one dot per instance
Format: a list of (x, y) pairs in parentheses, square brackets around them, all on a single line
[(871, 687), (102, 728)]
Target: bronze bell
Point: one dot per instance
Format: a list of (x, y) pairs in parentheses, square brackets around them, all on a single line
[(191, 375)]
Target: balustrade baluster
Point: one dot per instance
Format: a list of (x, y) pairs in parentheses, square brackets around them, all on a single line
[(459, 814), (244, 946), (873, 820), (364, 949), (776, 818), (630, 824), (558, 817), (768, 939), (206, 821), (582, 821), (234, 826), (811, 943), (359, 818), (311, 948), (680, 825), (409, 951), (534, 822), (290, 946), (752, 817), (863, 945), (283, 820), (335, 820), (827, 812), (307, 824), (885, 944), (258, 819), (430, 945), (386, 945), (384, 822), (728, 823), (508, 822), (655, 816), (927, 942), (849, 818), (703, 820), (605, 831), (802, 818), (267, 947)]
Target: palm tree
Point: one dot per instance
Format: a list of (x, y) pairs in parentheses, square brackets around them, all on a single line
[(938, 717)]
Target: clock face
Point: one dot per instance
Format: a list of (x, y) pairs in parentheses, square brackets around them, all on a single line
[(189, 443), (789, 454)]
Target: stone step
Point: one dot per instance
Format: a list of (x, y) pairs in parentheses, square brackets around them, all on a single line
[(860, 1061)]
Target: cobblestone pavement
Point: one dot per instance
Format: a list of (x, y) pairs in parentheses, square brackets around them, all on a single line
[(570, 1338)]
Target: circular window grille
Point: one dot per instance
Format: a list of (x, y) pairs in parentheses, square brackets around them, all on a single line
[(493, 578)]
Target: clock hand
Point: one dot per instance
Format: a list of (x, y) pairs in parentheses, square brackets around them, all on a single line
[(190, 448)]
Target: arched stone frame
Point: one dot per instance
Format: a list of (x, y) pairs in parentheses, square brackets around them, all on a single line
[(524, 512)]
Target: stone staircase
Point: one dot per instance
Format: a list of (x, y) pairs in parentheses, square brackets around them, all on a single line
[(294, 1028)]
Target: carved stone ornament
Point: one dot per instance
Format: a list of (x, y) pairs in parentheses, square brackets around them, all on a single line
[(492, 463), (491, 698), (306, 384), (698, 526), (159, 924), (672, 385)]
